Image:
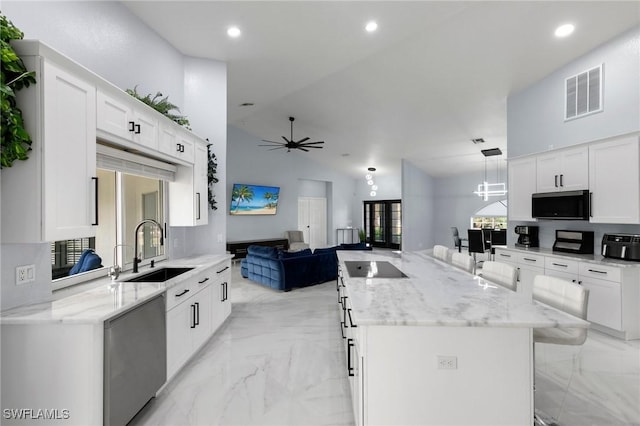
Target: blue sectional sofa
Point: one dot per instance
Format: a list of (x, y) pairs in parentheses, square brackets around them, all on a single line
[(282, 270)]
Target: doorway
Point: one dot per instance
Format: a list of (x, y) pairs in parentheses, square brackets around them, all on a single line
[(383, 223), (312, 220)]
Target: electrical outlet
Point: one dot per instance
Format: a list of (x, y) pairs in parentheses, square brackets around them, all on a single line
[(25, 274), (447, 362)]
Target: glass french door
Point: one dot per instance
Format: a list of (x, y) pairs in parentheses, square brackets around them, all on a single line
[(383, 223)]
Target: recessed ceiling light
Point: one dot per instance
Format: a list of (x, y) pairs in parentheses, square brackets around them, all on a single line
[(564, 30), (371, 26), (233, 32)]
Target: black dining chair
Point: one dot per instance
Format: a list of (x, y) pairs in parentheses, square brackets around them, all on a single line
[(479, 242), (457, 241)]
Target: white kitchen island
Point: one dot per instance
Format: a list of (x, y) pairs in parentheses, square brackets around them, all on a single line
[(440, 346)]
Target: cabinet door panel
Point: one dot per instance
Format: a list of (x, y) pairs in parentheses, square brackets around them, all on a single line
[(114, 116), (521, 185), (69, 156), (574, 174), (147, 132), (178, 336), (548, 167), (605, 305), (614, 181)]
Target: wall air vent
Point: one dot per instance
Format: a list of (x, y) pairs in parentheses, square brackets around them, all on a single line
[(583, 93)]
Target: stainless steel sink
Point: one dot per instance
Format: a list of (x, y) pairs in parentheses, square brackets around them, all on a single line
[(159, 275)]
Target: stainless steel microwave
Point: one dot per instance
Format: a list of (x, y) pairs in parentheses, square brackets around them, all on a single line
[(565, 205)]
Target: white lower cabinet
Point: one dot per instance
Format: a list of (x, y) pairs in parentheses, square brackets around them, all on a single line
[(220, 293), (195, 310), (614, 290)]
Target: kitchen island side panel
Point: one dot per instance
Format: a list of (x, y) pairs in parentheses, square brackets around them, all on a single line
[(492, 383)]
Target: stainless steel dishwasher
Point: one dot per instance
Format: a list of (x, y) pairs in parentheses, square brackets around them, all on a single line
[(135, 360)]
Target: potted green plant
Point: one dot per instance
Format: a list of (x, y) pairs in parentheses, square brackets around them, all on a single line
[(16, 142), (362, 235), (162, 105)]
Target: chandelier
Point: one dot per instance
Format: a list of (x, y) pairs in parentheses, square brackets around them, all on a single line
[(369, 177), (486, 189)]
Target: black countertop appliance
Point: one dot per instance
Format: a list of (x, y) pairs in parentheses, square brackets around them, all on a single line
[(574, 242), (621, 246), (527, 236)]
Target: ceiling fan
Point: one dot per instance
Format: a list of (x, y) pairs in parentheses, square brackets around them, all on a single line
[(290, 144)]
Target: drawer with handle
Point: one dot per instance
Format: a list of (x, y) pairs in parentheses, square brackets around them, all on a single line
[(593, 270), (530, 259), (561, 265)]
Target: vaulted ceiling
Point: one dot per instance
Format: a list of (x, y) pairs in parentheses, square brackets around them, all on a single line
[(432, 77)]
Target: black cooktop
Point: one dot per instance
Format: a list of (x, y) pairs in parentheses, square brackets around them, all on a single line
[(372, 269)]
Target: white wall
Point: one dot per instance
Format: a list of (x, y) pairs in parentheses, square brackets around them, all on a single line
[(389, 188), (417, 208), (291, 171), (535, 118), (107, 39), (205, 97), (455, 204)]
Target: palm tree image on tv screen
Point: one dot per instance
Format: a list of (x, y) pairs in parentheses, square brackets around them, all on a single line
[(253, 200)]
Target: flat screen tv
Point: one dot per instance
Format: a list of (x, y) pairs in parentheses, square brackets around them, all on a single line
[(253, 199)]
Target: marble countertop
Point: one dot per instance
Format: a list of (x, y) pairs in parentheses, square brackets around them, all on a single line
[(591, 258), (101, 299), (438, 294)]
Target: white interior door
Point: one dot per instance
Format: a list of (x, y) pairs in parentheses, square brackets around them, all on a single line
[(312, 220)]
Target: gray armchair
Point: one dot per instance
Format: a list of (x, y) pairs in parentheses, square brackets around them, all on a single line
[(296, 240)]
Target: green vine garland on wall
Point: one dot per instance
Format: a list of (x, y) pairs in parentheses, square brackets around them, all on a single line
[(16, 142), (212, 169)]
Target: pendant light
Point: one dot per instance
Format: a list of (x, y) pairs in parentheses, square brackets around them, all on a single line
[(486, 189)]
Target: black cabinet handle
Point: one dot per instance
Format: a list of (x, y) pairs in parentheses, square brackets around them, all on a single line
[(193, 316), (203, 281), (178, 147), (342, 330), (561, 184), (505, 255), (598, 272), (183, 293), (197, 304), (197, 206), (350, 369), (590, 207), (350, 319), (560, 264), (95, 183), (137, 132), (132, 126), (556, 180), (530, 260), (222, 270)]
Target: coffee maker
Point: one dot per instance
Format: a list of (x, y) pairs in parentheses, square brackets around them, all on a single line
[(527, 236)]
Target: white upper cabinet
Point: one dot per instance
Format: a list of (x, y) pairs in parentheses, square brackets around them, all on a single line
[(176, 142), (53, 195), (522, 185), (122, 116), (563, 170), (189, 192), (614, 180)]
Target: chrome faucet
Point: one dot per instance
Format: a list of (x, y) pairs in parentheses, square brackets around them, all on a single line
[(137, 260), (114, 271)]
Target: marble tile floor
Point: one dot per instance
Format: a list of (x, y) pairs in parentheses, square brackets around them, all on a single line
[(278, 360)]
